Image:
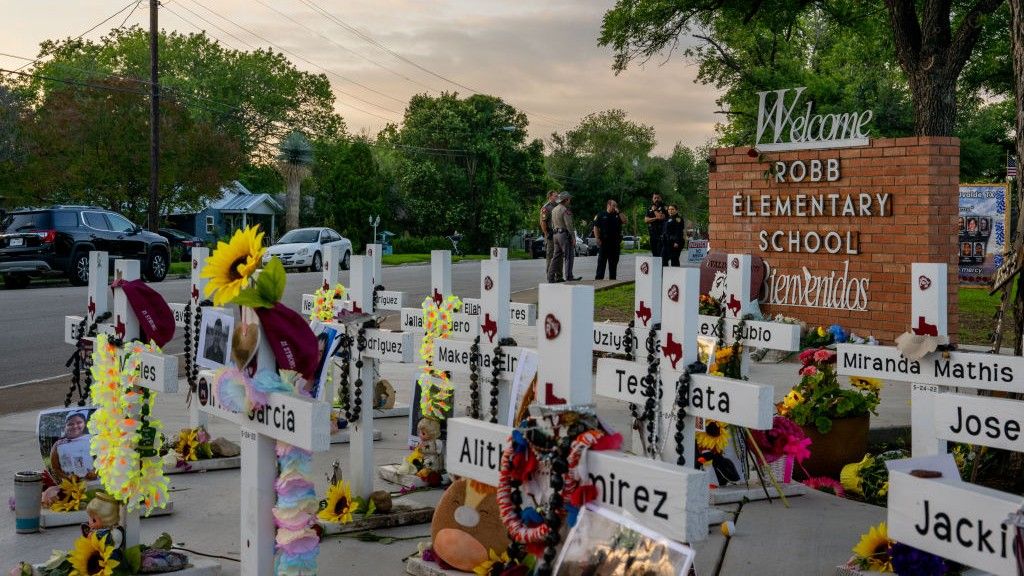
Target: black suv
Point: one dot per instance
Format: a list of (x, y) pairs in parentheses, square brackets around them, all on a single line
[(58, 240)]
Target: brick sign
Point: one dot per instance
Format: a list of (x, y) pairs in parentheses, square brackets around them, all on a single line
[(839, 227)]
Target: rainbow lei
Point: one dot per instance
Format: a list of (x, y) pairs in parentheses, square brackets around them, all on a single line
[(126, 442), (435, 386), (323, 302)]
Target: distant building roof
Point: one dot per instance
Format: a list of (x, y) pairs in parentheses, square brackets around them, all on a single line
[(236, 198)]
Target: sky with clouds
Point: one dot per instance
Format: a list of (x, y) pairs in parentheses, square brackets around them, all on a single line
[(539, 55)]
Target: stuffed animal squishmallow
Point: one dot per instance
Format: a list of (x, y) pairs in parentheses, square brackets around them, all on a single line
[(467, 525)]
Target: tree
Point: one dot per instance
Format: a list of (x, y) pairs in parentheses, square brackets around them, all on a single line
[(464, 162), (930, 40), (607, 156), (350, 188), (689, 165), (294, 161)]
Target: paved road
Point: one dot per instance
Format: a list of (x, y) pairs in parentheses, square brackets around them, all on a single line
[(32, 320)]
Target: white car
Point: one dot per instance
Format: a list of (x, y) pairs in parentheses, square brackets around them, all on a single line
[(304, 248)]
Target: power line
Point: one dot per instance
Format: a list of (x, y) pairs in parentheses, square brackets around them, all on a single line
[(314, 64), (346, 48), (136, 7), (201, 29), (102, 22)]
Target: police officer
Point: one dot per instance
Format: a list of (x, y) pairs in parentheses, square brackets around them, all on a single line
[(608, 233), (672, 237), (564, 235), (547, 232), (655, 220)]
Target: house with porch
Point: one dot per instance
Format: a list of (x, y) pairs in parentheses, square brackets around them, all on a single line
[(235, 209)]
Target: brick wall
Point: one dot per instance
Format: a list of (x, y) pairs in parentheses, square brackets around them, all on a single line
[(921, 176)]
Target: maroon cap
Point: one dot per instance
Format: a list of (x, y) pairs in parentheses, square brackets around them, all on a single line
[(289, 336), (156, 321)]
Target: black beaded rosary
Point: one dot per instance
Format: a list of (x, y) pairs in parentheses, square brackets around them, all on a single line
[(81, 361), (627, 343), (681, 404), (345, 353), (497, 366), (192, 325), (474, 379)]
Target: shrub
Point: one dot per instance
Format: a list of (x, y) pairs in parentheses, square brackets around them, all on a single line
[(422, 245)]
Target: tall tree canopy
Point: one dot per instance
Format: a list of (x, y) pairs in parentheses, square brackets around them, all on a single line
[(466, 166)]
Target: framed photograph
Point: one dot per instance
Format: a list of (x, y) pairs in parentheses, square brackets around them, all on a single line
[(328, 340), (972, 226), (960, 224), (215, 339), (983, 225), (606, 543), (979, 250), (64, 442)]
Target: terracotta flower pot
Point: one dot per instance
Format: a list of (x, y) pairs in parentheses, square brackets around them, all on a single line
[(845, 443)]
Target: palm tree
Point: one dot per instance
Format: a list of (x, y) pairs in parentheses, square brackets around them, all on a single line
[(294, 161)]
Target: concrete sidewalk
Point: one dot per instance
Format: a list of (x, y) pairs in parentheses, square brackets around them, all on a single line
[(812, 536)]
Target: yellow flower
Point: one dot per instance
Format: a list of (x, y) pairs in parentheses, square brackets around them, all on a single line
[(91, 557), (821, 331), (414, 456), (72, 492), (714, 437), (873, 385), (874, 548), (850, 475), (340, 505), (187, 444), (793, 399), (485, 567), (231, 264), (884, 490)]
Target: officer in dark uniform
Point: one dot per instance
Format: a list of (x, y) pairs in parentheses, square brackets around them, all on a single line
[(608, 233), (672, 238), (655, 220)]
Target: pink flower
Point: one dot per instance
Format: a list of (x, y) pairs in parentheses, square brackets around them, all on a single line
[(807, 356), (798, 448), (823, 355), (808, 371), (826, 484), (784, 439)]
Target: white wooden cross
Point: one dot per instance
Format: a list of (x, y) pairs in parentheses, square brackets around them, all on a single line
[(98, 302), (738, 402), (519, 313), (381, 346), (299, 421), (945, 515), (611, 336), (464, 326), (196, 417), (737, 303), (157, 372), (494, 325), (330, 277), (663, 497)]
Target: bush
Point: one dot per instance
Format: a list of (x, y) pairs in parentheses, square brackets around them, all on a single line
[(420, 245)]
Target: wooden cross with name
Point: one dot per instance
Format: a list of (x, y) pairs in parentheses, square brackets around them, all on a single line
[(728, 400), (299, 421), (98, 302), (611, 336), (663, 497), (930, 507), (464, 326), (519, 313), (196, 417), (157, 372)]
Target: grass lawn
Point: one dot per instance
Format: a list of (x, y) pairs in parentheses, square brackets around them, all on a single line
[(178, 268), (976, 311)]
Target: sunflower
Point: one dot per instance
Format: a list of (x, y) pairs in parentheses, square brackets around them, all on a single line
[(714, 437), (874, 548), (71, 495), (873, 385), (340, 505), (231, 264), (494, 566), (187, 445), (91, 557), (792, 400)]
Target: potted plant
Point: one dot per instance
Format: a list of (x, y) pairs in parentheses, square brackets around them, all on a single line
[(834, 417)]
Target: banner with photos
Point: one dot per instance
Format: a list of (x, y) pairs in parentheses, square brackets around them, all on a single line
[(983, 224)]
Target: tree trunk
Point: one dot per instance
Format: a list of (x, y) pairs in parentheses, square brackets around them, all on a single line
[(1017, 41), (293, 201), (934, 97)]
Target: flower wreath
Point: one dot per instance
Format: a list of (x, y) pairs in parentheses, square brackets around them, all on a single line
[(323, 302), (435, 386), (529, 447), (126, 442)]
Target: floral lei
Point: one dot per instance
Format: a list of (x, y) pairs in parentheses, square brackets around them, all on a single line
[(435, 386), (323, 302), (126, 442)]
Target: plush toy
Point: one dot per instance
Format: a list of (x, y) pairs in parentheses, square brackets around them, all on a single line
[(467, 525)]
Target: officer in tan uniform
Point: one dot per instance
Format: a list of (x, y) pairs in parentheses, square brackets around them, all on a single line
[(564, 237)]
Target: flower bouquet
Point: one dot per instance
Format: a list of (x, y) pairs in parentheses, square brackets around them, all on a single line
[(782, 446), (877, 553), (819, 399), (868, 479), (709, 306), (817, 338)]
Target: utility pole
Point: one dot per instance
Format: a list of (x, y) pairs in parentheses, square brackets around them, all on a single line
[(154, 119)]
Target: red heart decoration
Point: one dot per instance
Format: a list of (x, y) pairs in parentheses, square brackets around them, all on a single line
[(552, 327), (673, 293), (924, 282)]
